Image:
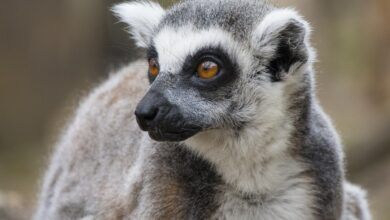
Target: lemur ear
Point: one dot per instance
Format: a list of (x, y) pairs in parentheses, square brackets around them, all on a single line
[(282, 40), (142, 17)]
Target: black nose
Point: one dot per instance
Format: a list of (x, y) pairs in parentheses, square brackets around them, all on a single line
[(145, 115), (151, 110)]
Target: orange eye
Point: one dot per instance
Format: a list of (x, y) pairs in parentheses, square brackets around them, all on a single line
[(153, 67), (208, 70)]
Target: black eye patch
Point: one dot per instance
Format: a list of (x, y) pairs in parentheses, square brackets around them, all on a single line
[(151, 53), (228, 70)]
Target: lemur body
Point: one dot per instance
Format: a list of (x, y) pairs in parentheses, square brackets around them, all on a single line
[(250, 142)]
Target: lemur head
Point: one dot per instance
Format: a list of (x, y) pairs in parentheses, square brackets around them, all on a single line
[(217, 65)]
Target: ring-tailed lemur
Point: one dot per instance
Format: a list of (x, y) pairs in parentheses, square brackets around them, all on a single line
[(238, 132)]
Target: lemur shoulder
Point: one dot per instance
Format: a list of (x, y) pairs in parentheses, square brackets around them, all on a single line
[(234, 128)]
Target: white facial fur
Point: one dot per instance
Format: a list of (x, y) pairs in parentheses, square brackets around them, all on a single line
[(175, 44), (142, 17)]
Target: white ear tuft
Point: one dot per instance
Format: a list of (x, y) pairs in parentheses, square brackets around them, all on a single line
[(142, 17)]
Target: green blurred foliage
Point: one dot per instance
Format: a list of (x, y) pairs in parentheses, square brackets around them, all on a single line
[(53, 52)]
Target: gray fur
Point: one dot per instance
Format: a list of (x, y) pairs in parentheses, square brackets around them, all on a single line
[(266, 149), (237, 17)]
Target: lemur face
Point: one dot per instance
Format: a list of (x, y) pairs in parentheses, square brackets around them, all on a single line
[(194, 76), (213, 65)]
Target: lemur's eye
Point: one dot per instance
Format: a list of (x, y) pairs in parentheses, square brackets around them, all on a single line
[(207, 70), (154, 68)]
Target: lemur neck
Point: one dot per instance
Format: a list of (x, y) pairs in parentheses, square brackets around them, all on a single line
[(258, 160)]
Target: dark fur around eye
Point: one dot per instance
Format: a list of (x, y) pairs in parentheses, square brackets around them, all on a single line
[(151, 54), (228, 70)]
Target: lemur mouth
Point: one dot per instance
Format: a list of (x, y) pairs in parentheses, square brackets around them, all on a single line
[(173, 136)]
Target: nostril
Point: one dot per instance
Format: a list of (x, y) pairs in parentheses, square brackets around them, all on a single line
[(150, 115)]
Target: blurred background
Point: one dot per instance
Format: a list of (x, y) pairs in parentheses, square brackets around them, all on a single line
[(53, 52)]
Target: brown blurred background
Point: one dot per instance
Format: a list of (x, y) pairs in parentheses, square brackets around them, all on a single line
[(53, 52)]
